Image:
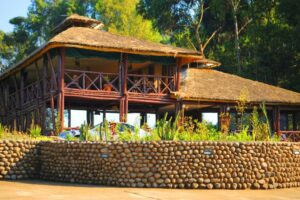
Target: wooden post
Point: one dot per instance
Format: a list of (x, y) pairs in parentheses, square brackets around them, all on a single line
[(122, 110), (69, 117), (179, 108), (177, 74), (276, 119), (61, 97), (44, 93), (22, 117), (123, 89)]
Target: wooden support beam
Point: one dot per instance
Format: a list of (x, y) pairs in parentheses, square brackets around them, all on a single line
[(178, 75), (123, 90), (22, 84), (44, 92), (276, 119), (61, 98), (179, 109)]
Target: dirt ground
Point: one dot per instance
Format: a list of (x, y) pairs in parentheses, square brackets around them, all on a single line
[(36, 190)]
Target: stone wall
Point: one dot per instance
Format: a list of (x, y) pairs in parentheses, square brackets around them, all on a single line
[(19, 160), (173, 164)]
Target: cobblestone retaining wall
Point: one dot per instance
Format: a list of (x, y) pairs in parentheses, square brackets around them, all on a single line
[(19, 159), (173, 164)]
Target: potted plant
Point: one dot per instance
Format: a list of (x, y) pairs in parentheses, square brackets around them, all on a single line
[(107, 86)]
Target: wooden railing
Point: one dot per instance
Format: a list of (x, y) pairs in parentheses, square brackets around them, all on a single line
[(293, 136), (88, 80), (12, 101), (32, 92), (150, 84)]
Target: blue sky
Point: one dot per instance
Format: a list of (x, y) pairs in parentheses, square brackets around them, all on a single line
[(10, 9)]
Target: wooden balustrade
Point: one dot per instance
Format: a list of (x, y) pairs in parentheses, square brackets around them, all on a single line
[(32, 92), (88, 80), (290, 135), (136, 84), (150, 84)]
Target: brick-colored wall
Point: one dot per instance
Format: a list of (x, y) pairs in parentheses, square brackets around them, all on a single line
[(162, 164)]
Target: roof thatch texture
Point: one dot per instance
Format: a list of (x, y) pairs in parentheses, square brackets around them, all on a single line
[(94, 39), (212, 85), (105, 40), (75, 20)]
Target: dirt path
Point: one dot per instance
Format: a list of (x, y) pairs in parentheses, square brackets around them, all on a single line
[(36, 190)]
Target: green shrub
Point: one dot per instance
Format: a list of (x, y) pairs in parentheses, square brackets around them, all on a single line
[(2, 130), (35, 131), (70, 137), (167, 129), (85, 132)]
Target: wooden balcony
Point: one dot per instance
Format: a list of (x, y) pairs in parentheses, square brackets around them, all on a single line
[(95, 84), (150, 84)]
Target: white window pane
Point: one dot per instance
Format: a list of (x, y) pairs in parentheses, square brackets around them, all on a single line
[(210, 118), (113, 117), (134, 119), (78, 117), (151, 120), (98, 119)]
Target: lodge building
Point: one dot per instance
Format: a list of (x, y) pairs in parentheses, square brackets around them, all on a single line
[(83, 67)]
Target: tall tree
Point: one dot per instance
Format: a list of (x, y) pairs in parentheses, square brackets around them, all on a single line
[(182, 20), (43, 15), (122, 17)]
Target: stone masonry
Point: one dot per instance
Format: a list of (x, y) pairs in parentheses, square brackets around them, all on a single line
[(204, 165)]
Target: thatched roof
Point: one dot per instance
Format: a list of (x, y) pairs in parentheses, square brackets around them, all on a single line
[(76, 20), (98, 40), (212, 85), (108, 41)]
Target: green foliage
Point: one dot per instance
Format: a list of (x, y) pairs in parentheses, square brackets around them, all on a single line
[(70, 137), (268, 35), (107, 132), (58, 124), (85, 132), (35, 131), (128, 136), (242, 136), (241, 107), (255, 123), (167, 129), (121, 17), (2, 130)]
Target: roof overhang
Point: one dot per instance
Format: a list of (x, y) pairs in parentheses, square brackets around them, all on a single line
[(52, 45)]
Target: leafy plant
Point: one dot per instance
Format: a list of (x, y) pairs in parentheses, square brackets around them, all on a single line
[(167, 129), (264, 110), (58, 124), (85, 132), (2, 130), (255, 123), (242, 106), (70, 137), (35, 131)]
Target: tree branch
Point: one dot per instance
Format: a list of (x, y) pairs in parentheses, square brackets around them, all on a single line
[(245, 25), (211, 37)]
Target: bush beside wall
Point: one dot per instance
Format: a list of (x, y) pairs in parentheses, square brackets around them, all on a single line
[(166, 164)]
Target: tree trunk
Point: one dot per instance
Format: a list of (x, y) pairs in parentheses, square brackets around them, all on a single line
[(237, 42)]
